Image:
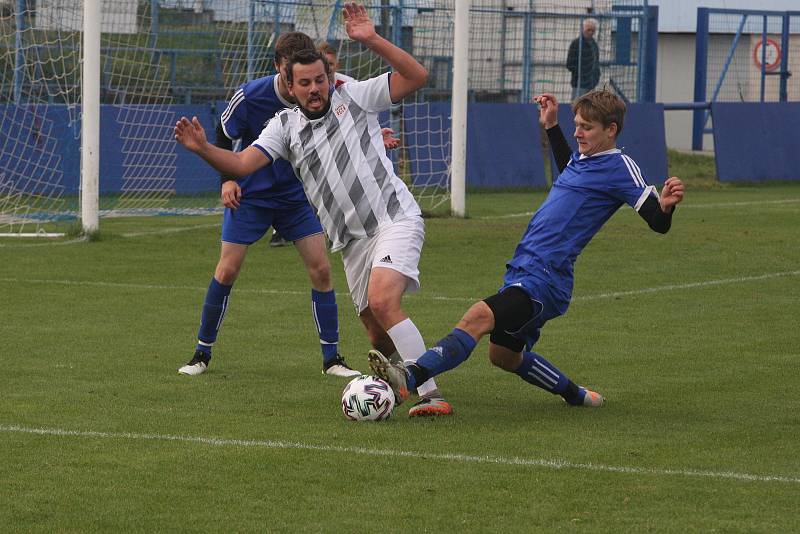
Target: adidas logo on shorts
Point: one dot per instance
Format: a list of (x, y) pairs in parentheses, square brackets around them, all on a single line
[(386, 259)]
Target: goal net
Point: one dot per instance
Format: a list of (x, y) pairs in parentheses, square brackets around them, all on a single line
[(161, 59)]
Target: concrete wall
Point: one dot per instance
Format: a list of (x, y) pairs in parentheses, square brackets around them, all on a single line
[(675, 83)]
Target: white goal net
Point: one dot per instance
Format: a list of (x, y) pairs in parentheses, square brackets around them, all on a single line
[(161, 59)]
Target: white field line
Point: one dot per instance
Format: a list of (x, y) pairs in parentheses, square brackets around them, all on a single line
[(681, 207), (173, 230), (80, 239), (363, 451), (596, 296)]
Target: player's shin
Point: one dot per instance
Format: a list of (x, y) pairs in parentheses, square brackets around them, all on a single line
[(536, 370), (448, 353), (214, 307), (326, 318), (410, 346)]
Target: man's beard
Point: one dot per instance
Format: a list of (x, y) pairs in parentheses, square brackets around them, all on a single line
[(312, 115)]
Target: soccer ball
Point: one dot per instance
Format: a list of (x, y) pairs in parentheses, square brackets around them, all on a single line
[(367, 398)]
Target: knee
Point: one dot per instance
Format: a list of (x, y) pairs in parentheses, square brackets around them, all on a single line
[(227, 272), (479, 319), (383, 307), (320, 275)]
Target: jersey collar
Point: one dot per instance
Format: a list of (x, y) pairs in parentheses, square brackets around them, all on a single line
[(603, 153), (285, 102)]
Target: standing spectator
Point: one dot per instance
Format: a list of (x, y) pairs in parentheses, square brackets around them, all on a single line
[(583, 60)]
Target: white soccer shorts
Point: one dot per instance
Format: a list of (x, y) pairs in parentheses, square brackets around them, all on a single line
[(396, 246)]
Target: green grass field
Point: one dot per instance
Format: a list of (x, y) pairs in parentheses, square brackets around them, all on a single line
[(692, 337)]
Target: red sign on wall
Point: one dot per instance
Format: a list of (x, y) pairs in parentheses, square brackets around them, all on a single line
[(772, 55)]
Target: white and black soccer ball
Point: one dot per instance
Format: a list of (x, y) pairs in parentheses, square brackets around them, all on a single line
[(367, 398)]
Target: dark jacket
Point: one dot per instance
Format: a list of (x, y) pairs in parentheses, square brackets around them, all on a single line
[(589, 68)]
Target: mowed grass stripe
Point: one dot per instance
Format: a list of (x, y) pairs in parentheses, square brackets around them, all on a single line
[(452, 457)]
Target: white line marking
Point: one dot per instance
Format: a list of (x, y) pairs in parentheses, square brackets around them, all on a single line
[(79, 239), (596, 296), (690, 285), (681, 206), (173, 230), (124, 285), (461, 458)]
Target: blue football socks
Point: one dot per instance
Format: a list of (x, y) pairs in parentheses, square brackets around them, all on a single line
[(536, 370), (326, 317), (213, 313), (448, 353)]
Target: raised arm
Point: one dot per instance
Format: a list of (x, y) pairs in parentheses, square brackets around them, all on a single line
[(548, 117), (408, 74), (191, 135)]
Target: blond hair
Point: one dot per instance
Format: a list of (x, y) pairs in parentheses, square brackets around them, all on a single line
[(601, 106)]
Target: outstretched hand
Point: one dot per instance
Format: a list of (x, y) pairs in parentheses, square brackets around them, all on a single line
[(671, 194), (357, 24), (389, 142), (548, 109), (190, 134)]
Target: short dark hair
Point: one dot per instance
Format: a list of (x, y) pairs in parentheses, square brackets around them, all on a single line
[(601, 106), (291, 42), (306, 57)]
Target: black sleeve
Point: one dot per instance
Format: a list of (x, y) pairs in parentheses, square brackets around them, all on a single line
[(223, 142), (559, 146), (651, 212)]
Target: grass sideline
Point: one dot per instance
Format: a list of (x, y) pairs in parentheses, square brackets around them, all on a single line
[(698, 362)]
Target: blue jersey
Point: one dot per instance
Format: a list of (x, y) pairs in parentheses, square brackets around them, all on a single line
[(253, 105), (582, 199)]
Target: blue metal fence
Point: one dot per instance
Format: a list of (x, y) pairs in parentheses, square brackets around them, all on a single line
[(724, 63)]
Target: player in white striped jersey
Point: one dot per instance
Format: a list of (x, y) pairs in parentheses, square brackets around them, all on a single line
[(334, 142), (389, 141)]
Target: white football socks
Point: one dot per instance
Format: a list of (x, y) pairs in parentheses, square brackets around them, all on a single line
[(410, 345)]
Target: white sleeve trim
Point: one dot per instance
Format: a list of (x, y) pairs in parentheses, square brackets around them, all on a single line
[(634, 170), (236, 99), (646, 193)]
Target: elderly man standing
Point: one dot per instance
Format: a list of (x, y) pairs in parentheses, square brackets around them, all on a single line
[(583, 60)]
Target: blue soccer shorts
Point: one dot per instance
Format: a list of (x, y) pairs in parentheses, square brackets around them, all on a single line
[(249, 222), (551, 300)]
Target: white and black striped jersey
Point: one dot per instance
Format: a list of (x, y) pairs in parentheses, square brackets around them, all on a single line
[(341, 161)]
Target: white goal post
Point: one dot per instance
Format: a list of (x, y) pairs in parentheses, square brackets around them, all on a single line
[(90, 123)]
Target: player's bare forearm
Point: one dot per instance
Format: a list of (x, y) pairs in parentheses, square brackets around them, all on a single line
[(236, 164), (408, 74), (192, 136)]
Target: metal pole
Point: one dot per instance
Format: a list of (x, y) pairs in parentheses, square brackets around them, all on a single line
[(763, 58), (700, 64), (19, 56), (458, 166), (782, 92), (251, 68), (90, 123), (527, 61)]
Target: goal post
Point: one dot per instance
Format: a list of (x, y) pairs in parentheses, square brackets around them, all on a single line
[(458, 167), (90, 118)]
